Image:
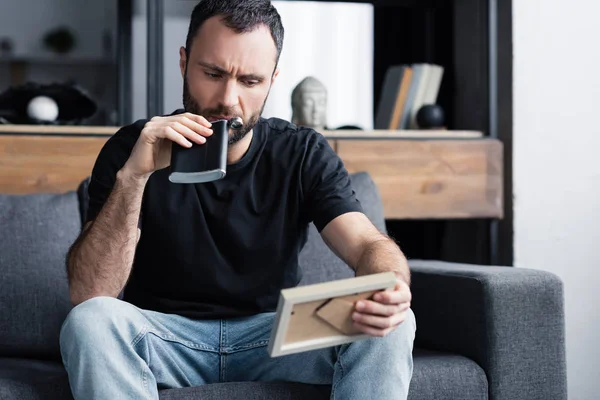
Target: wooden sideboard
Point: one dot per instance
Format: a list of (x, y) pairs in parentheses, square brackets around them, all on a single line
[(420, 174)]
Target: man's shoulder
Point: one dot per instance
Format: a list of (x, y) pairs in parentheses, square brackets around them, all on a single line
[(133, 129), (118, 147), (130, 131), (126, 136), (283, 131), (293, 144)]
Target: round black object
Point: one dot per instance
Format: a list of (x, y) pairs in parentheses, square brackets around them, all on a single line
[(430, 116), (349, 128), (60, 40)]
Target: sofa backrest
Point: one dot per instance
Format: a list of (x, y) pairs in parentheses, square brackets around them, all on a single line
[(36, 231)]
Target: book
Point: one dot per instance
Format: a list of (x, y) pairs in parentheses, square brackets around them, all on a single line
[(401, 99), (389, 94), (419, 98), (436, 74), (410, 99)]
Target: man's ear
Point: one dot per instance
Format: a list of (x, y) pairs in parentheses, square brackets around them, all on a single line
[(275, 74), (182, 60)]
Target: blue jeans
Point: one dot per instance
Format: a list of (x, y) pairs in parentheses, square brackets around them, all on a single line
[(114, 350)]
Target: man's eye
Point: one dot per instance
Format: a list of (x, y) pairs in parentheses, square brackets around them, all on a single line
[(251, 83), (213, 76)]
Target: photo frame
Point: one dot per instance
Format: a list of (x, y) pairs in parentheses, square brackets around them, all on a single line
[(320, 315)]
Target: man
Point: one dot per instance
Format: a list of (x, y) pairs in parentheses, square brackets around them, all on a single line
[(200, 266)]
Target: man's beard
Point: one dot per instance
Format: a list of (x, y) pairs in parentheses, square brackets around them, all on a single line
[(192, 106)]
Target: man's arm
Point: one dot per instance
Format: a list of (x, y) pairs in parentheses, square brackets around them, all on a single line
[(353, 238), (100, 260)]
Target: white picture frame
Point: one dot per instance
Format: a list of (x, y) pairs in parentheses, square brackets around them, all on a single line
[(319, 315)]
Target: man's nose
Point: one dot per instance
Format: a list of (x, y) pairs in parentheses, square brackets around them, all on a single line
[(229, 96)]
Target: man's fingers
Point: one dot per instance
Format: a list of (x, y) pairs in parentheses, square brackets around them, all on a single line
[(400, 294), (194, 125), (188, 133), (379, 322), (176, 137), (373, 307), (369, 330), (199, 119)]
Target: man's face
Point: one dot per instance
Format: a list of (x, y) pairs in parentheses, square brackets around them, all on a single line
[(228, 74)]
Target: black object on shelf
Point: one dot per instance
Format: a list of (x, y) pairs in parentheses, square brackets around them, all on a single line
[(74, 105), (430, 116), (349, 128), (60, 40)]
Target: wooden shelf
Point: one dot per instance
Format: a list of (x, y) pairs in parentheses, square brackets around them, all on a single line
[(417, 177), (330, 134), (62, 130), (402, 134), (430, 179)]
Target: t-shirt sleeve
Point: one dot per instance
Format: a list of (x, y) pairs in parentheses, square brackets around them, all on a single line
[(327, 186), (110, 160)]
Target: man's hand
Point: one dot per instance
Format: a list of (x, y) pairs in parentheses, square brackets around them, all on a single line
[(354, 239), (382, 314), (152, 150)]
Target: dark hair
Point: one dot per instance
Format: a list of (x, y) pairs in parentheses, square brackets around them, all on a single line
[(239, 15)]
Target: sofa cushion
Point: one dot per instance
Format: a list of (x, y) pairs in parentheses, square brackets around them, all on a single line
[(33, 380), (249, 391), (317, 262), (37, 231), (444, 376), (436, 376)]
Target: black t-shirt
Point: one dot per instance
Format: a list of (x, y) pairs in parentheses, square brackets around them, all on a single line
[(226, 248)]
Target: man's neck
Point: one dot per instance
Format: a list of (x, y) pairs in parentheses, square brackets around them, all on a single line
[(236, 151)]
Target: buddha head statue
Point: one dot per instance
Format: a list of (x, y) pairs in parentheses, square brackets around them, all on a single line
[(309, 103)]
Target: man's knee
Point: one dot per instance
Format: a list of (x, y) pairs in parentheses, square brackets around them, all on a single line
[(398, 343), (399, 340), (94, 319), (409, 326), (404, 334)]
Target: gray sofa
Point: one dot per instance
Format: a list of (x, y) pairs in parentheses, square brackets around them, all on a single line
[(482, 332)]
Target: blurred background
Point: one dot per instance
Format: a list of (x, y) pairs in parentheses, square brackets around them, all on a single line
[(85, 52)]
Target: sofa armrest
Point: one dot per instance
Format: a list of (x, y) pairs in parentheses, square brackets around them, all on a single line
[(508, 320)]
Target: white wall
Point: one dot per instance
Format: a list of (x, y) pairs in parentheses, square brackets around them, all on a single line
[(557, 168), (338, 51), (334, 43)]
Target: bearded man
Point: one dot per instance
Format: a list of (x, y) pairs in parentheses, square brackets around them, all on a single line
[(176, 285)]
